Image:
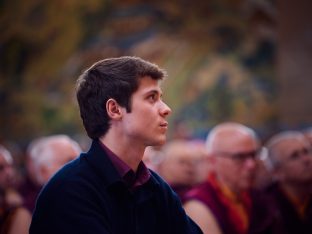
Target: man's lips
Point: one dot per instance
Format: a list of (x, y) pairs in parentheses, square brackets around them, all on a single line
[(164, 125)]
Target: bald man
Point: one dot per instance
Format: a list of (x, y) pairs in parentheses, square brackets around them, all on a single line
[(291, 157), (223, 203)]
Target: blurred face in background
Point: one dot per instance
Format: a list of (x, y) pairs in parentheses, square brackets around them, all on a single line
[(294, 159), (6, 171), (234, 159), (181, 163), (63, 152)]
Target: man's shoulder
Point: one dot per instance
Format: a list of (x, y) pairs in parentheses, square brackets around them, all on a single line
[(159, 181), (155, 176), (76, 175), (162, 188), (71, 171), (64, 175)]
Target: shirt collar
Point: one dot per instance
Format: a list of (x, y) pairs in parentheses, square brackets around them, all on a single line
[(131, 178)]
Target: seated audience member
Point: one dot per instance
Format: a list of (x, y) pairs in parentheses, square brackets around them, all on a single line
[(291, 196), (45, 156), (222, 204), (14, 218), (182, 165)]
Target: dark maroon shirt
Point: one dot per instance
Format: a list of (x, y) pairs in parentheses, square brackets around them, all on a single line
[(131, 178)]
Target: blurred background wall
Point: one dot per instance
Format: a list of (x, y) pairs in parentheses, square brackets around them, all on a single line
[(241, 60), (294, 63)]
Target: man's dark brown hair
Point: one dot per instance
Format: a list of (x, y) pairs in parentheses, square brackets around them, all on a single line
[(116, 78)]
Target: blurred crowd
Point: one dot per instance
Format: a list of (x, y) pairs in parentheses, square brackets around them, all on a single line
[(43, 157), (233, 182)]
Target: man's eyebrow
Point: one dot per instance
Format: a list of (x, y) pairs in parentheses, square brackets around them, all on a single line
[(154, 91)]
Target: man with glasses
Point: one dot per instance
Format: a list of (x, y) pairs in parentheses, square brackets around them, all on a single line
[(291, 196), (223, 203)]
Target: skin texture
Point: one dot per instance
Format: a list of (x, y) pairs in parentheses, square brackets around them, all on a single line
[(237, 175), (145, 125), (21, 222), (202, 216)]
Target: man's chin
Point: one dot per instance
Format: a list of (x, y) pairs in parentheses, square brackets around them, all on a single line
[(158, 142)]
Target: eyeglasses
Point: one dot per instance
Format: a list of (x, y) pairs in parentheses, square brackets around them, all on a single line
[(243, 156), (297, 154)]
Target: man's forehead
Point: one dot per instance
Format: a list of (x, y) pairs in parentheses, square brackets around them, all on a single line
[(147, 82), (150, 90), (292, 144), (234, 142)]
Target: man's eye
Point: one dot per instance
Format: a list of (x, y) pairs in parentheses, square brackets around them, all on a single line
[(295, 155), (152, 97)]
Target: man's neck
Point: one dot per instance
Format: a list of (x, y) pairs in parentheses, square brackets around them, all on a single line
[(229, 190), (298, 192), (127, 151)]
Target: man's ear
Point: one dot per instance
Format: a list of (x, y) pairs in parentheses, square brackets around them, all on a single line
[(44, 174), (211, 158), (113, 109)]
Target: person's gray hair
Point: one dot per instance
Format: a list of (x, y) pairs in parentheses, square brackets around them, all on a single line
[(41, 152), (6, 154), (273, 145)]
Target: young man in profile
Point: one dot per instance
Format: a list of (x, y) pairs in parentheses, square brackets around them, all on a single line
[(109, 189)]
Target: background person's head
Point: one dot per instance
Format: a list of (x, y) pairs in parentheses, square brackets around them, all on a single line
[(291, 157), (49, 154), (232, 151), (6, 168), (115, 78), (181, 162), (153, 157)]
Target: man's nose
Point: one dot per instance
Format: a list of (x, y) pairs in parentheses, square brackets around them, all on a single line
[(165, 110), (251, 163)]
